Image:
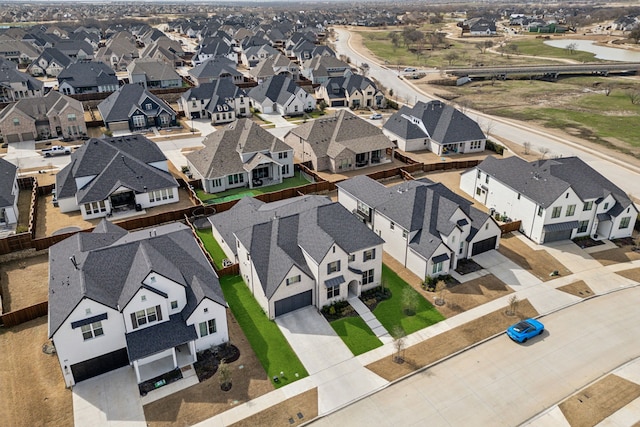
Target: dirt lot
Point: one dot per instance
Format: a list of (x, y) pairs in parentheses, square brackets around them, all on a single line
[(24, 282), (291, 412), (31, 384), (50, 219), (205, 400), (595, 403), (579, 289), (539, 263), (449, 342)]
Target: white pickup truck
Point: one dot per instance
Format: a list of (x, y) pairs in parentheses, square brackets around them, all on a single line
[(56, 150)]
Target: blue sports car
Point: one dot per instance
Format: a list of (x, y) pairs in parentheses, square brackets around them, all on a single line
[(522, 331)]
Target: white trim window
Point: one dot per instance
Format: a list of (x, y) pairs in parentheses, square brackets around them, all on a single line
[(207, 328), (142, 317), (293, 279), (139, 121), (92, 208), (158, 195), (367, 255), (92, 330), (624, 222), (367, 276), (437, 268)]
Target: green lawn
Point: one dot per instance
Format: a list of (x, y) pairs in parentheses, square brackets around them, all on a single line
[(391, 314), (356, 334), (536, 47), (238, 193), (212, 247), (271, 347)]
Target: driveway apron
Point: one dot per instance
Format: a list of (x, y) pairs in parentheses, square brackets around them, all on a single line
[(108, 400)]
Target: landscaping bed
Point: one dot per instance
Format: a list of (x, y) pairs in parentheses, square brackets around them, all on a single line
[(208, 360), (338, 310), (537, 262), (626, 251), (579, 289), (587, 242)]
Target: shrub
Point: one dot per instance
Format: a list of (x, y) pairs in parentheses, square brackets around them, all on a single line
[(392, 104), (493, 146)]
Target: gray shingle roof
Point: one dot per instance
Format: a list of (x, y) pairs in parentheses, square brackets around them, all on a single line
[(9, 74), (153, 69), (277, 89), (113, 162), (215, 67), (88, 74), (442, 123), (218, 95), (221, 153), (112, 262), (121, 104), (148, 341), (8, 174)]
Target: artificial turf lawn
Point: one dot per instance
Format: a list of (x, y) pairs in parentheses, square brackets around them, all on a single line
[(237, 193), (212, 247), (391, 313), (356, 334), (271, 347)]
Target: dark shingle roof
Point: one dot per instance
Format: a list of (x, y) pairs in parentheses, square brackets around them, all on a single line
[(148, 341), (127, 99), (88, 74), (8, 174)]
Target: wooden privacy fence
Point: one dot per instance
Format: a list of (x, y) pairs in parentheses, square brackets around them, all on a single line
[(510, 226), (17, 317)]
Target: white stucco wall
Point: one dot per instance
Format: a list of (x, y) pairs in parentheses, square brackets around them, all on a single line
[(284, 291), (174, 291), (206, 311), (151, 299)]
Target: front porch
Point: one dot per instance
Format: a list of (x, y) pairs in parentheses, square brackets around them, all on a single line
[(178, 357), (373, 158)]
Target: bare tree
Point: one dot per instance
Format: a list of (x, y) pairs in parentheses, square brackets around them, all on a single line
[(543, 152), (395, 39), (451, 56), (571, 47), (488, 127), (634, 96), (513, 305), (364, 69), (441, 286), (399, 343), (527, 147), (484, 45)]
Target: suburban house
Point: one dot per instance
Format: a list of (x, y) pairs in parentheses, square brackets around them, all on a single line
[(118, 51), (353, 91), (221, 101), (8, 194), (50, 63), (15, 85), (275, 65), (115, 177), (339, 143), (51, 116), (251, 55), (434, 126), (243, 154), (479, 26), (426, 227), (87, 77), (214, 69), (17, 51), (153, 74), (556, 199), (321, 68), (279, 94), (147, 298), (132, 107), (299, 252)]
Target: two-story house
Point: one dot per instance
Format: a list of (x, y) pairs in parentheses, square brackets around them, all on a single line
[(214, 69), (321, 68), (555, 199), (434, 126), (115, 177), (51, 116), (50, 63), (8, 194), (148, 298), (87, 77), (275, 65), (153, 74), (221, 101), (339, 143), (353, 91), (426, 227), (243, 154), (15, 85), (300, 252), (279, 94), (253, 54)]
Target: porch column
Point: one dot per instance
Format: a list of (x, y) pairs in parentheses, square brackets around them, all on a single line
[(192, 347), (175, 359), (135, 368)]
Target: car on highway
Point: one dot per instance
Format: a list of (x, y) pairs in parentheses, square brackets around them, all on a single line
[(376, 116), (522, 331), (56, 150)]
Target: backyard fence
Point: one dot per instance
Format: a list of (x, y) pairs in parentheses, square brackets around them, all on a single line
[(17, 317), (510, 226)]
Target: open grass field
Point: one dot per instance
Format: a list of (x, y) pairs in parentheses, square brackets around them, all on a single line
[(535, 47), (271, 347), (356, 334)]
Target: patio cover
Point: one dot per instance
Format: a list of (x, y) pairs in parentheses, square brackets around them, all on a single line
[(561, 226), (159, 337)]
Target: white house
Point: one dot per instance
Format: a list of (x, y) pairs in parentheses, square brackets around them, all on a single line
[(299, 252), (279, 94), (425, 226), (241, 155), (555, 199), (115, 176), (8, 194), (149, 299), (434, 126)]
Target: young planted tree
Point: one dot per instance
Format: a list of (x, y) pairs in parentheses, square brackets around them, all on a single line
[(527, 147), (441, 287), (399, 343), (513, 305), (224, 375)]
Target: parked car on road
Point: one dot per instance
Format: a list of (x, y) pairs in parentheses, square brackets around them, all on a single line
[(376, 116), (56, 150), (522, 331), (410, 70)]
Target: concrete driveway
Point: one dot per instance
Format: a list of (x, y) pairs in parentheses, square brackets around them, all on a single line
[(108, 400)]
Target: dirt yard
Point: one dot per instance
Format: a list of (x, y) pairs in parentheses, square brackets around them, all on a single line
[(449, 342), (539, 263), (623, 253), (205, 400), (295, 411), (24, 282), (579, 289), (633, 274), (31, 385), (595, 403)]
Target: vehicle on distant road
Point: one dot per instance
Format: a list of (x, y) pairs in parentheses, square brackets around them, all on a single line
[(410, 70), (56, 150), (522, 331), (376, 116)]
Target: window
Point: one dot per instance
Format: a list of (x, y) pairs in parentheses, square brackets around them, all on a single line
[(207, 328), (139, 121), (518, 196), (566, 196), (165, 119), (352, 257), (437, 268), (217, 182), (332, 267), (587, 206), (370, 254), (236, 178), (148, 106), (333, 291), (144, 297), (461, 247), (158, 195), (478, 191), (624, 222), (556, 212), (283, 155), (71, 117), (475, 145), (87, 311), (292, 280), (404, 234), (571, 209), (367, 277), (486, 180), (285, 169), (606, 206), (142, 317), (540, 210), (174, 305), (92, 330), (95, 207), (392, 225), (16, 121), (582, 226)]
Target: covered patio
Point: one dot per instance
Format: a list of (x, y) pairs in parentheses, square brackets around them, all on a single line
[(263, 171)]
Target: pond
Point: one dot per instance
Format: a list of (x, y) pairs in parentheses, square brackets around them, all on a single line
[(602, 52)]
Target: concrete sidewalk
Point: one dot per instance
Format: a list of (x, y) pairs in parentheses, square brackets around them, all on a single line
[(372, 322)]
